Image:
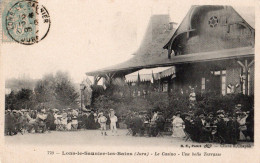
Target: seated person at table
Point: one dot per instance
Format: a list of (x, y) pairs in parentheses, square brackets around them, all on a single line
[(137, 124), (74, 120), (201, 132), (232, 129), (189, 126), (146, 124), (40, 121), (209, 124), (177, 124), (160, 122), (64, 121)]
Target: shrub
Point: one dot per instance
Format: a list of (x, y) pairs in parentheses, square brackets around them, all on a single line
[(170, 103), (212, 103), (178, 102)]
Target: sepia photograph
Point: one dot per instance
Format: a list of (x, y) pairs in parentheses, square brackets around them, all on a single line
[(128, 74)]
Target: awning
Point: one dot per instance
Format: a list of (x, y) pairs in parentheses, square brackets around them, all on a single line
[(140, 62), (148, 74)]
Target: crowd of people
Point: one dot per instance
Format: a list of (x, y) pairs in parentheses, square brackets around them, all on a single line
[(195, 125), (219, 127), (198, 126), (46, 119)]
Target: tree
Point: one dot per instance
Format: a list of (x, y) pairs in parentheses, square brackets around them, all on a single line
[(65, 94), (56, 91), (10, 101), (24, 98), (44, 91)]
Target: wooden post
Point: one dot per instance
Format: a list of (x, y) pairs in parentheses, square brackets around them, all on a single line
[(246, 67), (96, 79), (241, 80), (246, 79), (109, 77), (169, 52)]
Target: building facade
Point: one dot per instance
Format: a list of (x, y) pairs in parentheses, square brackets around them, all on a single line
[(212, 50)]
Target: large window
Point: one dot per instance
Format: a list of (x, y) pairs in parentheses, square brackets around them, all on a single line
[(223, 85), (218, 82), (223, 82)]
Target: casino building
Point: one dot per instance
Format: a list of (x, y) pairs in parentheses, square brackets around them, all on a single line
[(212, 50)]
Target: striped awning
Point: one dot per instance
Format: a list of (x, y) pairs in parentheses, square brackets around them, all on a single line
[(148, 74)]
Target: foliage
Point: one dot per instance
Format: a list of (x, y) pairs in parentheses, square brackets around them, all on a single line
[(10, 101), (178, 102), (44, 91), (159, 102), (65, 94), (51, 91), (212, 103), (104, 103), (22, 99), (97, 91), (168, 103), (56, 91)]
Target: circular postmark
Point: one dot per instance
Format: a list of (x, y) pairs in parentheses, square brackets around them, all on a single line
[(27, 22)]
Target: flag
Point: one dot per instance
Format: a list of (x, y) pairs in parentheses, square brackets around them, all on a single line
[(152, 80), (138, 79), (173, 76), (104, 86)]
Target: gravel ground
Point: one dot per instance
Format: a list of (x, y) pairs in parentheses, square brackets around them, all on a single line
[(94, 137)]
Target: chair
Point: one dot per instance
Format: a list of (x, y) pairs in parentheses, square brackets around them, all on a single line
[(130, 132), (187, 136)]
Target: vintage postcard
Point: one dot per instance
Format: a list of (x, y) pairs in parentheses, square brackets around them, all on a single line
[(129, 81)]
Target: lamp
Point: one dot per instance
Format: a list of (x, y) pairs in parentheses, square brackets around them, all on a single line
[(82, 87)]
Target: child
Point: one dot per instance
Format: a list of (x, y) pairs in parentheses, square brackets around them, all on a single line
[(113, 120), (74, 123), (102, 120), (64, 122), (58, 121), (69, 119)]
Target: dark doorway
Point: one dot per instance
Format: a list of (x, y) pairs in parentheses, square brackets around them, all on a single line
[(214, 83)]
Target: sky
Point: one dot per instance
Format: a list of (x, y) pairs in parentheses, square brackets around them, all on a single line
[(87, 35)]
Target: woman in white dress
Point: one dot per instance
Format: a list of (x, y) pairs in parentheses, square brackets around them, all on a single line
[(177, 124), (242, 126)]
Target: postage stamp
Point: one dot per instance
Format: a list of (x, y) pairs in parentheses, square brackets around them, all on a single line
[(25, 22)]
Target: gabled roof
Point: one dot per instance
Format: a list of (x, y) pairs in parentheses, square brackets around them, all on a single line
[(143, 57), (245, 12), (155, 55)]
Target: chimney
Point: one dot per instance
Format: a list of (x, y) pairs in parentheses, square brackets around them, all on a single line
[(172, 25)]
